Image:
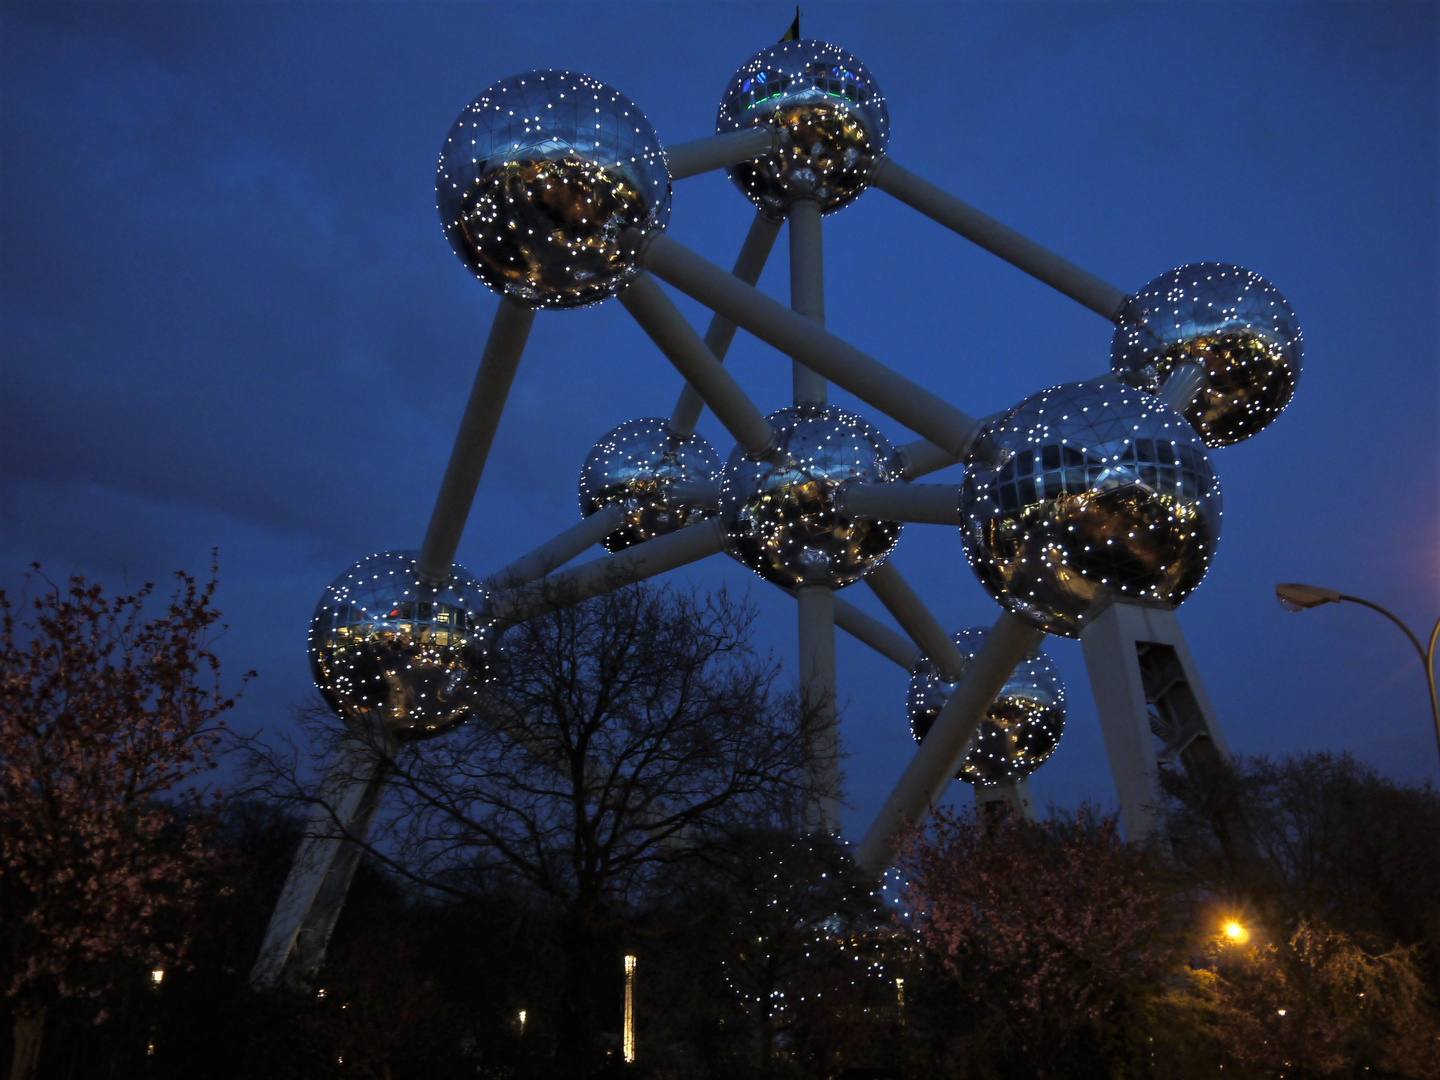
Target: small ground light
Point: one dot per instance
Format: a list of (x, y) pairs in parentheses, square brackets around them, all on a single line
[(157, 976), (1236, 933), (522, 1021)]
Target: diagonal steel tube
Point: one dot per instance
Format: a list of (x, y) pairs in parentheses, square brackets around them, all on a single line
[(662, 321), (938, 758), (929, 504), (922, 457), (1019, 251), (324, 865), (559, 549), (892, 590), (472, 443), (793, 334), (721, 332), (871, 631), (595, 578), (720, 151), (877, 635)]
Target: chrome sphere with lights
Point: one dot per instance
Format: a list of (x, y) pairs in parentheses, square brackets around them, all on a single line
[(1232, 322), (1020, 730), (779, 514), (636, 465), (537, 180), (832, 122), (388, 646), (1085, 493)]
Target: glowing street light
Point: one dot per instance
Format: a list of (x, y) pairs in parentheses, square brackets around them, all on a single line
[(157, 976), (1236, 932), (1296, 597), (628, 1046)]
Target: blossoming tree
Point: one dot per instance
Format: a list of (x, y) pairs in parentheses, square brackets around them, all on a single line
[(103, 713)]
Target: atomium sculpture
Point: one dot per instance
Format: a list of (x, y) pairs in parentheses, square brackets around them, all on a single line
[(1089, 510)]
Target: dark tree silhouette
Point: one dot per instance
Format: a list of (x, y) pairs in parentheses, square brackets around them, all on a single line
[(621, 737)]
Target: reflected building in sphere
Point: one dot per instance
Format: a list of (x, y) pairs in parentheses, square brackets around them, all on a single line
[(537, 180), (1021, 728), (636, 465), (1232, 322), (780, 515), (385, 645), (832, 122), (1087, 493)]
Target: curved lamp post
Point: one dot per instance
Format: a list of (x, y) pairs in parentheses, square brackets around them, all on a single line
[(1295, 597)]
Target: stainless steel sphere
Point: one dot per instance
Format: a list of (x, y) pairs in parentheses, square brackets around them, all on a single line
[(1020, 730), (385, 645), (1087, 493), (779, 514), (832, 119), (537, 180), (1234, 323), (636, 465)]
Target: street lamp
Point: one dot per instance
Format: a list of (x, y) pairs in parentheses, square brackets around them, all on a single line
[(1295, 597)]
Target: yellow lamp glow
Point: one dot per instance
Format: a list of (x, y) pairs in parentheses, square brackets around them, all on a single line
[(1236, 933)]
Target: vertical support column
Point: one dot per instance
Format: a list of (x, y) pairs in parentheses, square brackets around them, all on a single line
[(1015, 797), (304, 917), (817, 702), (1147, 688), (807, 290)]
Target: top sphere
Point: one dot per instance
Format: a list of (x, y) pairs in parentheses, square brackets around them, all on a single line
[(385, 644), (1233, 323), (537, 180), (832, 120), (1020, 729), (635, 465), (779, 514), (1084, 494)]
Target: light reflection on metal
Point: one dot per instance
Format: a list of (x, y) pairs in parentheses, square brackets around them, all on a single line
[(386, 645), (1020, 730), (831, 118), (1087, 493), (538, 178), (635, 466), (779, 514), (1231, 321)]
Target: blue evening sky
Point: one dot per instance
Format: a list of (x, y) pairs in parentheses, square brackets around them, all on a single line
[(230, 318)]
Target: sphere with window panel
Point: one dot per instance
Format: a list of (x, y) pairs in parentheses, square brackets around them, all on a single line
[(831, 119), (1086, 493), (1021, 728), (386, 645), (538, 179)]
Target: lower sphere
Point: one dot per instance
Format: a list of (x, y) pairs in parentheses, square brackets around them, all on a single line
[(385, 645), (1084, 494), (779, 514), (636, 465), (1020, 730)]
